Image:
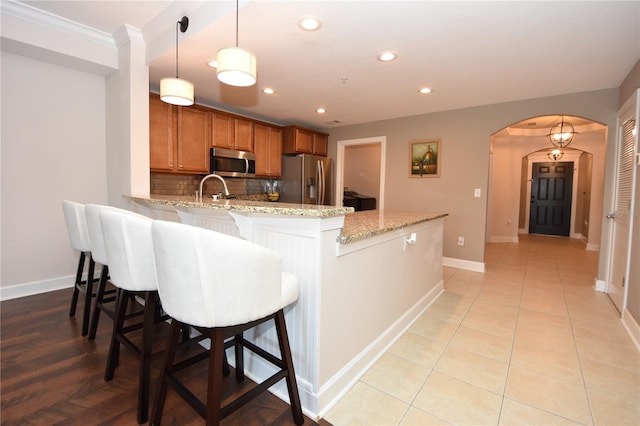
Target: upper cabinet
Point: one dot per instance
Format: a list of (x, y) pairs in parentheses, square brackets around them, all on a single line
[(268, 150), (194, 139), (232, 132), (180, 138), (298, 140), (161, 135)]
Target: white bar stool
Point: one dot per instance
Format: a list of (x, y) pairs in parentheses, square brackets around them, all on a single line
[(104, 297), (74, 216), (129, 249), (221, 285)]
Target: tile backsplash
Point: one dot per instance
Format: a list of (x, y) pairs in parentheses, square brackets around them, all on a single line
[(179, 184)]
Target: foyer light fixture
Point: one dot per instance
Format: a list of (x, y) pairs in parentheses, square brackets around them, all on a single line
[(561, 134), (236, 66), (555, 154), (177, 91)]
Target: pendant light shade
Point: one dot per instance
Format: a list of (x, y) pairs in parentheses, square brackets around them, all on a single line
[(236, 67), (177, 91), (561, 134), (555, 154)]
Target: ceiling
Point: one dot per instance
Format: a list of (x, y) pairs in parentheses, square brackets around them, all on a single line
[(469, 53)]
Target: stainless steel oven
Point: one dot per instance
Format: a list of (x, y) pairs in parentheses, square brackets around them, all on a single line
[(228, 162)]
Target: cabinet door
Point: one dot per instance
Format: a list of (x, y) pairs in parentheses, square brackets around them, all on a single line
[(268, 150), (297, 141), (320, 143), (243, 135), (161, 135), (223, 134), (275, 152), (194, 140)]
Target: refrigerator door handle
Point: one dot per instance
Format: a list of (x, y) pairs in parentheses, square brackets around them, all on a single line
[(322, 182), (318, 183)]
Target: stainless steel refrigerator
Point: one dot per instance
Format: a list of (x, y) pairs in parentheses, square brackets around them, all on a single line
[(306, 179)]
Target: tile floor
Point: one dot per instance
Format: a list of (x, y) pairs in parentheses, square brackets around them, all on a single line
[(529, 342)]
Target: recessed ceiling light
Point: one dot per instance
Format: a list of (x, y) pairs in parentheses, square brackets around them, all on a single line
[(309, 23), (387, 56), (425, 90), (268, 91), (212, 63), (321, 110)]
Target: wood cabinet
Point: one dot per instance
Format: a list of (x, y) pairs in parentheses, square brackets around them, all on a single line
[(243, 135), (231, 132), (298, 140), (320, 144), (268, 150), (222, 131), (161, 135), (180, 138)]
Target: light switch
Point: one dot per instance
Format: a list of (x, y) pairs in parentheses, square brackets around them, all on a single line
[(477, 192)]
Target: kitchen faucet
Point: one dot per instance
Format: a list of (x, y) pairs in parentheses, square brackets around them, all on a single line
[(224, 184)]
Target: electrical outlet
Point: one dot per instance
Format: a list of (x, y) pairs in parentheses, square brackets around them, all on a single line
[(477, 192), (460, 240)]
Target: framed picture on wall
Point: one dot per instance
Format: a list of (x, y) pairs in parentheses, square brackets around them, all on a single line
[(424, 158)]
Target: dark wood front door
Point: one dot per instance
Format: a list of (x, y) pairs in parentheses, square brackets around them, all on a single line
[(551, 189)]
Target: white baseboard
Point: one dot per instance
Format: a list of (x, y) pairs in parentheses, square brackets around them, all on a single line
[(593, 247), (463, 264), (632, 327), (338, 385), (36, 287), (504, 239), (316, 404), (522, 231), (600, 286)]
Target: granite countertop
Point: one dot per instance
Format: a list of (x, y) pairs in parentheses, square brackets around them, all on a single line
[(365, 224), (357, 226), (245, 204)]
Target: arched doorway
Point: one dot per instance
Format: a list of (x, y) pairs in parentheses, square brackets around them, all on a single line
[(513, 151)]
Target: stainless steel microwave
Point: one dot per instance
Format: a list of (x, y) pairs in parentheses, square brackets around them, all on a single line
[(228, 162)]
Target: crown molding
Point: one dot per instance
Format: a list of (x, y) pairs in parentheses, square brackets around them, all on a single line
[(35, 15), (127, 33)]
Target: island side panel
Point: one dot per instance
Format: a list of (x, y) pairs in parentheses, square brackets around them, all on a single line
[(299, 240), (369, 297)]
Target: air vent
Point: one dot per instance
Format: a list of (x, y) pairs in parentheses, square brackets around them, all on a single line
[(533, 123), (332, 123)]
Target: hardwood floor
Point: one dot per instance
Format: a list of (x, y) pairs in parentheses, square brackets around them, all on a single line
[(51, 375)]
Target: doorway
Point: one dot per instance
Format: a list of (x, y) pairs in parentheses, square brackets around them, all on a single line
[(379, 144), (551, 198)]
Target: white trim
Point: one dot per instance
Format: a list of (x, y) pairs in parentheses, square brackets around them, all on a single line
[(463, 264), (36, 287), (38, 16), (341, 145), (570, 156), (633, 328), (593, 247), (600, 285), (504, 239), (336, 387)]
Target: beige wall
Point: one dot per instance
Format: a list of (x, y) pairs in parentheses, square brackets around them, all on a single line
[(53, 148), (362, 169), (506, 198), (630, 84), (465, 135)]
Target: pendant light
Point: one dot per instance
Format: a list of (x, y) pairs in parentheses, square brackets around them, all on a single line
[(561, 134), (236, 66), (177, 91), (555, 154)]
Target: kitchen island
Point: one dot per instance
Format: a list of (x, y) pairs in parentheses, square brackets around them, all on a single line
[(364, 278)]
